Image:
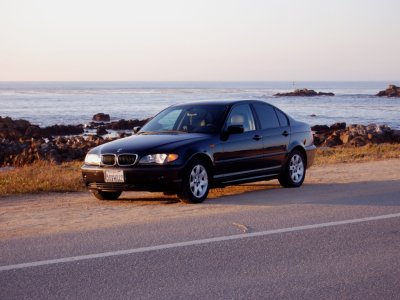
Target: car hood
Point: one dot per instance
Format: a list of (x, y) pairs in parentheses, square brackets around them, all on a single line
[(148, 143)]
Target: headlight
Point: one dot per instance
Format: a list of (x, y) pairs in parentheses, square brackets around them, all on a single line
[(159, 158), (92, 159)]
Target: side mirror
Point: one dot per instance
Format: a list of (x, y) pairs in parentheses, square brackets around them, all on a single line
[(235, 129), (136, 129)]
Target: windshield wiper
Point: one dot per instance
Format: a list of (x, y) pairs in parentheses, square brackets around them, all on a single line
[(162, 131)]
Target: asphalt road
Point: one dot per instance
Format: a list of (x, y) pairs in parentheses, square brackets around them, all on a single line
[(321, 241)]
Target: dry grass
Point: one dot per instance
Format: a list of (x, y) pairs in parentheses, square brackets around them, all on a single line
[(371, 152), (49, 177), (42, 177)]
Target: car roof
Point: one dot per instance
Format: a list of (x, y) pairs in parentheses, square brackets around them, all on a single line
[(220, 102)]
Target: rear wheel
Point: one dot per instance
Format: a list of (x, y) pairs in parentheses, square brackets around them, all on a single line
[(102, 195), (196, 182), (294, 172)]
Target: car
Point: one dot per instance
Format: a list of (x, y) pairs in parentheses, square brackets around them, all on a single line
[(189, 148)]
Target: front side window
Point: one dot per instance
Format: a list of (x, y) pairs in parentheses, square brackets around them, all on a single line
[(242, 115)]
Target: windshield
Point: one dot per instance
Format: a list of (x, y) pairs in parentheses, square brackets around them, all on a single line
[(187, 118)]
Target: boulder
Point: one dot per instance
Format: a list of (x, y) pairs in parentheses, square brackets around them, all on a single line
[(358, 141), (391, 91), (345, 137), (395, 136), (33, 131), (101, 117), (319, 138), (338, 126), (13, 129), (102, 130), (126, 124), (320, 128), (332, 141)]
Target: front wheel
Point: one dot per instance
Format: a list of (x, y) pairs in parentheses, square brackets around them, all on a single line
[(196, 182), (294, 171), (102, 195)]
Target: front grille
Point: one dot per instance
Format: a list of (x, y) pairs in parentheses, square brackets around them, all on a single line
[(127, 159), (108, 159)]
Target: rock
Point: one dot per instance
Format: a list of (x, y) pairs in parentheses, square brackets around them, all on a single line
[(391, 91), (33, 131), (101, 117), (304, 93), (126, 124), (358, 141), (57, 130), (395, 136), (102, 130), (13, 129), (380, 139), (325, 94), (320, 128), (345, 138), (338, 126), (319, 138), (357, 129), (332, 141)]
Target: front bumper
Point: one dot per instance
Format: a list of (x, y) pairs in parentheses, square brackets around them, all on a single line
[(146, 178)]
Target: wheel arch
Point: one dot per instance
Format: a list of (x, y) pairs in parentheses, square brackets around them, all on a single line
[(299, 148), (204, 157)]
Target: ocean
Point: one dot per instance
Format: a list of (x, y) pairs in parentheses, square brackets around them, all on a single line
[(49, 103)]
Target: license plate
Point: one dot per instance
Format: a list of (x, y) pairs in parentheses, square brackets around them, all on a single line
[(114, 176)]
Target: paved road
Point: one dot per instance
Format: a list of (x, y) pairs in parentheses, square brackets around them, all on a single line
[(256, 245)]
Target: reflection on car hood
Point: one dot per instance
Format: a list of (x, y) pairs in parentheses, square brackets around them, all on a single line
[(148, 142)]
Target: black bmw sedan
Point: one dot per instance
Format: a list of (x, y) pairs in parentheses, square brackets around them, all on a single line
[(187, 149)]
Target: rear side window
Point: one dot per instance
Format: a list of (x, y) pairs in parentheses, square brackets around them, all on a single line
[(282, 118), (267, 116)]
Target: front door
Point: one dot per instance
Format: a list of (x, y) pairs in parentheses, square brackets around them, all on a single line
[(242, 153)]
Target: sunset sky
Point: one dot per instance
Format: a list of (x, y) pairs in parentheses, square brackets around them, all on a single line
[(222, 40)]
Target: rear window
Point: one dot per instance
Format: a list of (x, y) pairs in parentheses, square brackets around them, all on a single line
[(282, 118)]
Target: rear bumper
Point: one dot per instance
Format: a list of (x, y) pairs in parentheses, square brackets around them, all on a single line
[(310, 151), (151, 178)]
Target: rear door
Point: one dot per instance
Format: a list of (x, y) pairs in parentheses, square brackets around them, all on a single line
[(275, 130)]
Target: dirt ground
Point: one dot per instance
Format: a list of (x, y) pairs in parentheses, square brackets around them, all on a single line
[(42, 214)]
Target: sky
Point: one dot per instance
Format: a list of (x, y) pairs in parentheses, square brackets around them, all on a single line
[(199, 40)]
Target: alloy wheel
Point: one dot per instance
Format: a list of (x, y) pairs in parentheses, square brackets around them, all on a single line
[(296, 168), (198, 181)]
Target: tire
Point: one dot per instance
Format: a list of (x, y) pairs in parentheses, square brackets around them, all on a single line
[(195, 183), (102, 195), (294, 171)]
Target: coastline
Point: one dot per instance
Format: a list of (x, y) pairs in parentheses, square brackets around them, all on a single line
[(23, 143)]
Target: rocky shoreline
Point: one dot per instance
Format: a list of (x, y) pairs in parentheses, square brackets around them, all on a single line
[(23, 143)]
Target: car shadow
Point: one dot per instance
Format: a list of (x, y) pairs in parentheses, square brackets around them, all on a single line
[(383, 193), (156, 199)]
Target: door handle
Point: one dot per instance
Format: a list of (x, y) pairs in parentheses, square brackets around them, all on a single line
[(257, 137), (285, 133)]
